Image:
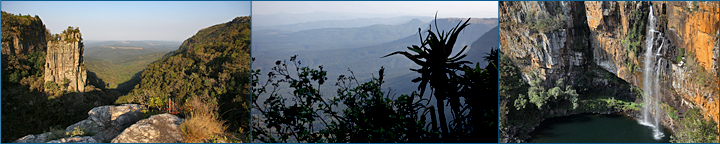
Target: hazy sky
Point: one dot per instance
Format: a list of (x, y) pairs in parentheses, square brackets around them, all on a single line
[(475, 9), (131, 20)]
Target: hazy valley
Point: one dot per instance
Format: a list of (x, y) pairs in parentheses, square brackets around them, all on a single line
[(350, 50)]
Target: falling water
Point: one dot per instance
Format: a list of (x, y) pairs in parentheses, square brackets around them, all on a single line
[(651, 82)]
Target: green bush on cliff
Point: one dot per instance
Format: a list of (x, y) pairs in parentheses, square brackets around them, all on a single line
[(540, 97), (695, 129), (634, 38), (551, 23), (680, 55)]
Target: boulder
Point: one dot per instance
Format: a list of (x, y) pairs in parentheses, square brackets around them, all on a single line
[(89, 126), (41, 138), (101, 115), (76, 139), (162, 128), (125, 115)]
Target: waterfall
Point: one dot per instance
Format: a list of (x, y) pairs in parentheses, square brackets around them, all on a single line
[(651, 80)]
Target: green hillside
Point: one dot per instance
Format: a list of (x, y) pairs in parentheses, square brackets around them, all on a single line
[(208, 74)]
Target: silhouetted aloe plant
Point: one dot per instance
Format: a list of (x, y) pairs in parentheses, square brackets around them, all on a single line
[(437, 66)]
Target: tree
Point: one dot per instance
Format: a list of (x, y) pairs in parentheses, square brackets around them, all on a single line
[(437, 66), (537, 93), (541, 98), (520, 102)]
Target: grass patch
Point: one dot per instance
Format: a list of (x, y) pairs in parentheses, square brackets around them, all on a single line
[(202, 127)]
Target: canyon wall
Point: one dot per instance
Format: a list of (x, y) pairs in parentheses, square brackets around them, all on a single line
[(610, 36), (688, 52)]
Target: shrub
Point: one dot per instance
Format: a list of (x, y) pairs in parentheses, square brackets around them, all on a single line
[(55, 133), (78, 131), (51, 86), (695, 129), (680, 55)]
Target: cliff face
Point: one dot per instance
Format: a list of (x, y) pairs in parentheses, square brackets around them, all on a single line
[(64, 61), (694, 27), (544, 38), (23, 50), (22, 34), (688, 50)]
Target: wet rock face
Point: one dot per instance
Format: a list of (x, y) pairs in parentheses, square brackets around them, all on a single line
[(103, 124), (64, 61), (162, 128)]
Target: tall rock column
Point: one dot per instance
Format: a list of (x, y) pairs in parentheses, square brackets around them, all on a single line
[(64, 60)]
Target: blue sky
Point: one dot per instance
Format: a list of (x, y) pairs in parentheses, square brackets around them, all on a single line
[(131, 20), (477, 9)]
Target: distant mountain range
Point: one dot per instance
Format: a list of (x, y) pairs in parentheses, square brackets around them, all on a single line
[(365, 61), (265, 20), (333, 38), (350, 23)]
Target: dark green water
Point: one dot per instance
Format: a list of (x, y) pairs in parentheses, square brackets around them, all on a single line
[(595, 128)]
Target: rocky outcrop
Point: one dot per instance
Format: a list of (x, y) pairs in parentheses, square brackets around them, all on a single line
[(103, 124), (64, 61), (162, 128), (22, 34)]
